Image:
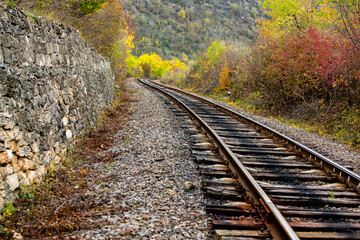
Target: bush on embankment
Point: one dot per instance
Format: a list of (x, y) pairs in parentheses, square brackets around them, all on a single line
[(303, 67)]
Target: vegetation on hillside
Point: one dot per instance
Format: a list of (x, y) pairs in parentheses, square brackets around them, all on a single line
[(173, 27), (305, 66)]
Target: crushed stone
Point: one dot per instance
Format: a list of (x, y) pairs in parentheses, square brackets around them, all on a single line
[(153, 170)]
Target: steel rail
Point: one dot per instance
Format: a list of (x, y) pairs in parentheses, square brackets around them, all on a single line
[(342, 173), (278, 225)]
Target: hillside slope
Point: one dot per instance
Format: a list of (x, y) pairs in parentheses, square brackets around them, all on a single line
[(172, 27)]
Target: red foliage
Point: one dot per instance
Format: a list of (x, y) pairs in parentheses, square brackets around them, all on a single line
[(308, 67)]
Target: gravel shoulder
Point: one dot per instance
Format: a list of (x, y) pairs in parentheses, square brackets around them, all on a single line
[(153, 164)]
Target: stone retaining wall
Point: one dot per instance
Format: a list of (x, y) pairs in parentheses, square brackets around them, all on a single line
[(52, 87)]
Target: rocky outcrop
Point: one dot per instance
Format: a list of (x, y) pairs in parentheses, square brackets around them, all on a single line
[(52, 87)]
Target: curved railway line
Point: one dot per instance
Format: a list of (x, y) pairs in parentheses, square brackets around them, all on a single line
[(262, 184)]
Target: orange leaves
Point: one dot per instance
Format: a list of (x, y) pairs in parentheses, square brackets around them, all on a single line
[(109, 32), (224, 80)]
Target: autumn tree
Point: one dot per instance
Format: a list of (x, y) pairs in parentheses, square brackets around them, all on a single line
[(152, 66), (108, 30), (224, 80), (289, 15)]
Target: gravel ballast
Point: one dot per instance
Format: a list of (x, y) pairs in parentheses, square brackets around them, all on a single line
[(153, 169)]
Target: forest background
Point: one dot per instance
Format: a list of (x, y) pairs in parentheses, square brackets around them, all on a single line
[(295, 61)]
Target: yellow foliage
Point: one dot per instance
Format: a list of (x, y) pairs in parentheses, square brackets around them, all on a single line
[(224, 80), (109, 32), (182, 14), (289, 15), (151, 65), (185, 57), (129, 42)]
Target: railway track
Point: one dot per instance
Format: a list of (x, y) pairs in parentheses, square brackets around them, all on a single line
[(261, 184)]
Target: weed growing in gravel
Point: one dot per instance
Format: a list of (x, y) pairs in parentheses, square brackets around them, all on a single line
[(331, 195)]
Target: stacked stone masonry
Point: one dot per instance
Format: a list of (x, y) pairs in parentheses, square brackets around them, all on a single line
[(53, 86)]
